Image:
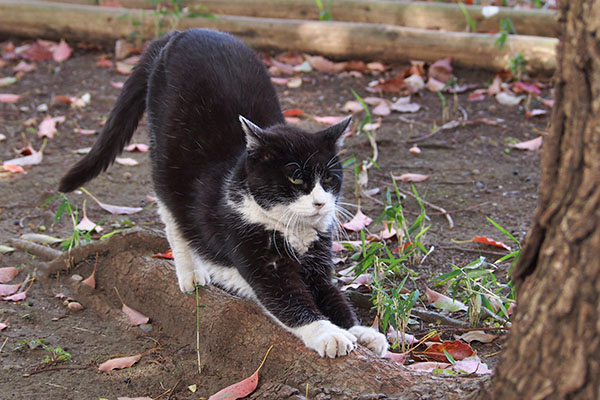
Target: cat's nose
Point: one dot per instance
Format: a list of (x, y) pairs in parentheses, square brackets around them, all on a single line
[(318, 205)]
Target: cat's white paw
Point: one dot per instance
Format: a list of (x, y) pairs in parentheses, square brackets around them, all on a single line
[(189, 279), (326, 338), (370, 338)]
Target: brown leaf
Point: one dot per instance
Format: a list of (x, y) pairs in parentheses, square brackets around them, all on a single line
[(411, 177), (135, 317), (119, 363), (532, 145), (61, 52), (7, 274), (457, 349), (322, 64), (7, 290), (441, 70)]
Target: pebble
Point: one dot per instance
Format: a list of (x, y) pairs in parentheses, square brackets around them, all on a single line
[(77, 277), (146, 327)]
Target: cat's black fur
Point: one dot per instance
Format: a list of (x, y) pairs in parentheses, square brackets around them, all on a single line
[(206, 162)]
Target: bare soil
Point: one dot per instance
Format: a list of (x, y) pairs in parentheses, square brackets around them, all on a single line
[(473, 175)]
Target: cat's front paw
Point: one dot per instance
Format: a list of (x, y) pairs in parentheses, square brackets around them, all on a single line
[(189, 279), (370, 338), (326, 338)]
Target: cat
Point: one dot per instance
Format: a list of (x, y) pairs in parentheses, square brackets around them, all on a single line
[(248, 202)]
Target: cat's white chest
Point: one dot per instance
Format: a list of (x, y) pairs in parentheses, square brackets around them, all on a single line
[(298, 233)]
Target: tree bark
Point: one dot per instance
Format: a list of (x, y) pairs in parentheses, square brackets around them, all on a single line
[(554, 345), (335, 39), (235, 333)]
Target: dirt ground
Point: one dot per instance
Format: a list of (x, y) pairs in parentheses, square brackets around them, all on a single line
[(474, 174)]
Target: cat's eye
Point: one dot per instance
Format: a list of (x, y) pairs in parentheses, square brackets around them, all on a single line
[(296, 181), (328, 179)]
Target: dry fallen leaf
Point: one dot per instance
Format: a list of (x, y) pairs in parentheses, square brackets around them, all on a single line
[(9, 98), (34, 158), (532, 145), (166, 255), (357, 223), (133, 147), (7, 274), (119, 363), (47, 127), (16, 297), (479, 336), (400, 358), (127, 161), (441, 70), (241, 389), (135, 317), (443, 302), (329, 120), (411, 177), (61, 52), (457, 349), (7, 289), (404, 105), (508, 99)]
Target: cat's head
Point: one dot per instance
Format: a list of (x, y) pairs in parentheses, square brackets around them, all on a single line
[(293, 175)]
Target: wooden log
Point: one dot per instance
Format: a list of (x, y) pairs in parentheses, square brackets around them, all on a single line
[(414, 14), (236, 333), (337, 39)]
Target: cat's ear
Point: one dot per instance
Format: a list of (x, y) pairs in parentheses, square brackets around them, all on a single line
[(335, 132), (253, 133)]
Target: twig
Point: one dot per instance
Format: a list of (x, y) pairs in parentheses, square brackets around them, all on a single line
[(173, 389), (39, 371), (431, 316), (459, 329), (3, 344), (478, 251), (45, 253), (448, 125), (440, 209)]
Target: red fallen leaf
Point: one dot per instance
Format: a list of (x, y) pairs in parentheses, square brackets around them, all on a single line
[(241, 389), (526, 87), (7, 290), (15, 169), (477, 95), (63, 99), (411, 177), (3, 326), (7, 274), (119, 363), (133, 147), (398, 357), (441, 70), (535, 112), (61, 52), (357, 223), (9, 98), (24, 66), (293, 112), (492, 242), (167, 255), (16, 297), (457, 349), (37, 52), (91, 280)]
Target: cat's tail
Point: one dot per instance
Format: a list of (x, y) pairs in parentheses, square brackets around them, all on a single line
[(120, 125)]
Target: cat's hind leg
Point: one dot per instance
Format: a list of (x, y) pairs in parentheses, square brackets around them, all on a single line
[(190, 272)]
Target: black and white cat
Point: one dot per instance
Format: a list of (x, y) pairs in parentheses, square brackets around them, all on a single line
[(249, 206)]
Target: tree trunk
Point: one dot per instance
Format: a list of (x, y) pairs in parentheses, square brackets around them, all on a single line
[(235, 333), (554, 346)]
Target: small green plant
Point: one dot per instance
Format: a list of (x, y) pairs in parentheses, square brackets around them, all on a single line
[(324, 10), (471, 26), (78, 236), (477, 285), (394, 308), (518, 65), (506, 28), (56, 354), (452, 83)]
